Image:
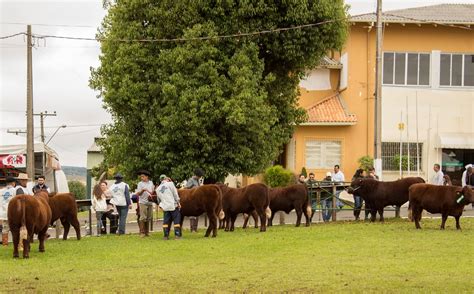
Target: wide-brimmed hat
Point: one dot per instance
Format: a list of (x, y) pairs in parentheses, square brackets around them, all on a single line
[(144, 172), (328, 174), (118, 176), (22, 176), (162, 177)]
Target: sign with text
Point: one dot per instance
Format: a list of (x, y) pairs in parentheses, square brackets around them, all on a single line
[(13, 160)]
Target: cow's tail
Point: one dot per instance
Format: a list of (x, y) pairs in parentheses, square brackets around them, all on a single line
[(221, 214), (309, 211), (268, 212), (23, 230), (410, 212)]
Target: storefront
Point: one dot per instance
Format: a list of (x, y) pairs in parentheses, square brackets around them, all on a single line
[(457, 151)]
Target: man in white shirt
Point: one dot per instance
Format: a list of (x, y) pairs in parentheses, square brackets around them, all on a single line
[(438, 176), (338, 177), (168, 201), (144, 190), (463, 178), (22, 188)]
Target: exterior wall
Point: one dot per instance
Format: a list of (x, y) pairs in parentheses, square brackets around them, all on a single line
[(94, 159)]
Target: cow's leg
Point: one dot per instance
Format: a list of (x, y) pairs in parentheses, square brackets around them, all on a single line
[(246, 220), (299, 213), (227, 221), (232, 222), (417, 216), (381, 215), (66, 226), (213, 223), (263, 218), (373, 214), (397, 211), (75, 224), (306, 208), (270, 220), (458, 226), (444, 217), (16, 238), (255, 219)]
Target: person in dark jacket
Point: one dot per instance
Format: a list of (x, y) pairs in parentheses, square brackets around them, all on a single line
[(326, 197), (357, 199), (194, 181)]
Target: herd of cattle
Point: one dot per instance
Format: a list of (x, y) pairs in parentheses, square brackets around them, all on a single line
[(33, 215)]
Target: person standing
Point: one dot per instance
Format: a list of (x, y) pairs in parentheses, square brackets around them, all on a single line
[(464, 175), (168, 200), (41, 185), (111, 213), (438, 178), (194, 181), (302, 179), (357, 199), (312, 185), (144, 191), (121, 199), (22, 187), (6, 194), (99, 205), (326, 197), (338, 178)]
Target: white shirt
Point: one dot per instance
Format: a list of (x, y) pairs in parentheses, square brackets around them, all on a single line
[(26, 190), (99, 204), (438, 179), (167, 196), (118, 194), (6, 194), (338, 177)]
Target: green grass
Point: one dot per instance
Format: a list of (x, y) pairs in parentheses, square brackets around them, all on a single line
[(343, 256)]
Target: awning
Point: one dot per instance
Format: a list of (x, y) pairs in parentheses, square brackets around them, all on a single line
[(456, 140)]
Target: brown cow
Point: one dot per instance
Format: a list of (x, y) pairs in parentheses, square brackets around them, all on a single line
[(245, 200), (203, 199), (288, 198), (447, 200), (64, 207), (378, 194), (28, 215)]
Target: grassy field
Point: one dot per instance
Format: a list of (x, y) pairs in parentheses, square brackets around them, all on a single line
[(343, 256)]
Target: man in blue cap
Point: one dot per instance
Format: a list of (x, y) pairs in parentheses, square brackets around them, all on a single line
[(121, 199)]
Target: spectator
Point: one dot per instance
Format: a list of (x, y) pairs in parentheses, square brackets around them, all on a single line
[(357, 199), (326, 197), (194, 181), (302, 179), (338, 177), (372, 173), (99, 205), (111, 212), (144, 190), (22, 187), (168, 201), (464, 175), (6, 194), (121, 199), (312, 185), (447, 181), (438, 176), (41, 185)]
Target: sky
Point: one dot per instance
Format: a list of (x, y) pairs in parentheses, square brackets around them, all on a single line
[(61, 70)]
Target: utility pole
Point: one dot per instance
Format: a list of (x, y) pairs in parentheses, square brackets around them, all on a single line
[(378, 93), (30, 152), (42, 115)]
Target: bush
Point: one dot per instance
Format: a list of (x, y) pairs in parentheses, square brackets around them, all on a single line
[(396, 162), (277, 176), (78, 189), (366, 162), (304, 172)]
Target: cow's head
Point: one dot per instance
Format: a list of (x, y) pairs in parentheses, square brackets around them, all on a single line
[(356, 184), (465, 195)]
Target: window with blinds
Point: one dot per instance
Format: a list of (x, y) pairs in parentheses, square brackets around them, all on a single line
[(322, 154)]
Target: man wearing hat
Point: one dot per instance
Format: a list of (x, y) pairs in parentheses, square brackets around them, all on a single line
[(22, 187), (194, 181), (144, 190), (6, 194), (121, 199), (168, 200)]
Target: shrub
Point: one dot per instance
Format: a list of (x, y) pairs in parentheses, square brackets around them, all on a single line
[(304, 172), (277, 176), (366, 162)]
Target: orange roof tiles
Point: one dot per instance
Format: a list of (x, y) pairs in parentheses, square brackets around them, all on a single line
[(330, 110)]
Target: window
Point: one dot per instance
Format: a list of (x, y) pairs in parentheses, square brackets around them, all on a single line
[(406, 68), (391, 155), (457, 70), (322, 154)]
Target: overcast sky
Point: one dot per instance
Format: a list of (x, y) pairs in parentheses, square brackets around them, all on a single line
[(61, 69)]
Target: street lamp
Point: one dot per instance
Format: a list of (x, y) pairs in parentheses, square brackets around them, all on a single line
[(63, 126)]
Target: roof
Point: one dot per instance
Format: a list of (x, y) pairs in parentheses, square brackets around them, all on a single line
[(330, 111), (327, 62), (94, 147), (441, 14)]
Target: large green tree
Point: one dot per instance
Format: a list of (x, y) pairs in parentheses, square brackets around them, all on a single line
[(225, 104)]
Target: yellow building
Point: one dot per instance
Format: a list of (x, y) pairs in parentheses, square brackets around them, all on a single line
[(428, 57)]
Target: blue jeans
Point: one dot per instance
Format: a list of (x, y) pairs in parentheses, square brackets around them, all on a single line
[(98, 215), (123, 213), (326, 207)]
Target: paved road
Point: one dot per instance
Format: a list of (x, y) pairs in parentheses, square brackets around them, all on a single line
[(344, 215)]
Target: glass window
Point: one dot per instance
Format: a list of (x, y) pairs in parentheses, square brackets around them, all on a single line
[(412, 69), (424, 71), (400, 68), (391, 156), (322, 154), (469, 70), (445, 70), (456, 70), (388, 68)]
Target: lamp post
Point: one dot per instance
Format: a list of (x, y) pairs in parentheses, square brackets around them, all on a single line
[(63, 126)]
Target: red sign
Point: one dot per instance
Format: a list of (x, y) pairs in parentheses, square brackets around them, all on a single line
[(13, 160)]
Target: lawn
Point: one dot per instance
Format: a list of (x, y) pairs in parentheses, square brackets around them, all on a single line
[(342, 256)]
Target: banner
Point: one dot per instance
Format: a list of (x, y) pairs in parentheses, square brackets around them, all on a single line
[(13, 161)]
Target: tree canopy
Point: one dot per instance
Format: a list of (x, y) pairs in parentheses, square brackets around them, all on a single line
[(227, 104)]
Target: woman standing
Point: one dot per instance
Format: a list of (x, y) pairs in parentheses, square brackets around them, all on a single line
[(357, 199), (99, 205)]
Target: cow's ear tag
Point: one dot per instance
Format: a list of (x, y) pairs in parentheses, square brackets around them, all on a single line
[(460, 198)]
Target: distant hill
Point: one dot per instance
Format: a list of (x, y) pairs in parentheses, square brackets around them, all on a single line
[(75, 173)]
